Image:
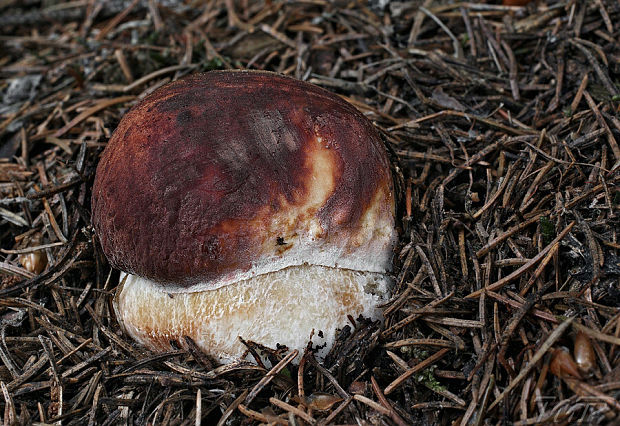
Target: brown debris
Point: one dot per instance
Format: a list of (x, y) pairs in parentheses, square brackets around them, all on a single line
[(503, 123)]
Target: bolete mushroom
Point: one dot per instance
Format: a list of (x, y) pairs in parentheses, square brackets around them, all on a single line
[(244, 204)]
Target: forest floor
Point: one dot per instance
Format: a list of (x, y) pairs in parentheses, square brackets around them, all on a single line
[(504, 127)]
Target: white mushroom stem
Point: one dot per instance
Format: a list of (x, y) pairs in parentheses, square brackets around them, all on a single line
[(280, 307)]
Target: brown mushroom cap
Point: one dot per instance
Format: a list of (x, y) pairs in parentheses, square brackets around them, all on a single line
[(225, 175), (244, 204)]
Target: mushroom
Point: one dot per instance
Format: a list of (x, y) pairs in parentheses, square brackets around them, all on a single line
[(516, 2), (248, 204)]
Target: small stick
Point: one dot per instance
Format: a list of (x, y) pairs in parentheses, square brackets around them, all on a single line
[(372, 404), (231, 408), (418, 367), (260, 417), (516, 304), (269, 376), (557, 333), (579, 95), (198, 407), (456, 44), (296, 411), (420, 342), (329, 376), (122, 61), (601, 122), (502, 282), (540, 269), (417, 314), (329, 419), (116, 20), (597, 334), (102, 104), (393, 414)]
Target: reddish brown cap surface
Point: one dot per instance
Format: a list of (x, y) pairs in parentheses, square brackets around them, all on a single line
[(516, 2), (217, 175)]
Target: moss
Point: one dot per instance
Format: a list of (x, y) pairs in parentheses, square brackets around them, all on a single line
[(286, 373), (427, 377), (213, 64), (547, 228)]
